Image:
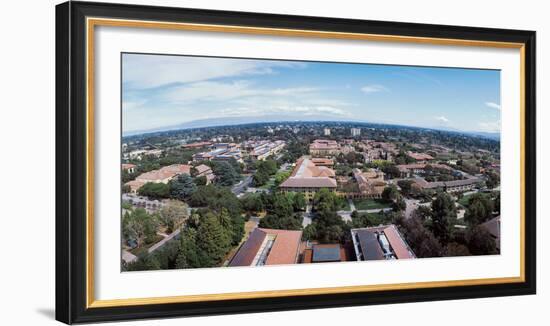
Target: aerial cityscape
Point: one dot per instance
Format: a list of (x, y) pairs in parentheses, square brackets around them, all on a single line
[(236, 162)]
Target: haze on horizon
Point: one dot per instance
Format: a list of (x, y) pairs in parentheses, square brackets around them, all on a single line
[(162, 91)]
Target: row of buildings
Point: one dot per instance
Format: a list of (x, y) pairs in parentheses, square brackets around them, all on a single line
[(276, 247), (220, 152), (165, 174), (253, 150)]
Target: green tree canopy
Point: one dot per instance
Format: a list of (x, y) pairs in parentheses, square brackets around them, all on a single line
[(155, 190), (443, 212), (173, 213), (182, 187)]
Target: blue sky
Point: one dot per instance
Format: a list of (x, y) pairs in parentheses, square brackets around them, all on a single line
[(161, 91)]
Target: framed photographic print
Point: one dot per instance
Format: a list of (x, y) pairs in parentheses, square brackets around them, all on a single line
[(214, 162)]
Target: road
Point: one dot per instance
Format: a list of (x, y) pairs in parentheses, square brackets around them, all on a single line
[(241, 186)]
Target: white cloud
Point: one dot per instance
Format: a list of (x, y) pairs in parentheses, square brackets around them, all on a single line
[(286, 110), (442, 119), (128, 105), (491, 126), (218, 91), (148, 71), (373, 88), (493, 105)]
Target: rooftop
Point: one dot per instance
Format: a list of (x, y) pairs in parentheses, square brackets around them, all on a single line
[(308, 175), (382, 242), (268, 247)]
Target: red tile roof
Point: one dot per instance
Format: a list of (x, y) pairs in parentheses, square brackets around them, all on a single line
[(285, 247)]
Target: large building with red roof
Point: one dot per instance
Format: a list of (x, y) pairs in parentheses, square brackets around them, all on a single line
[(162, 175), (269, 247), (308, 178)]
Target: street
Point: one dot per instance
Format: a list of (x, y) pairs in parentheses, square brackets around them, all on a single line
[(241, 186)]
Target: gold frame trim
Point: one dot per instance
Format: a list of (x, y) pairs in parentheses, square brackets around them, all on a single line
[(92, 22)]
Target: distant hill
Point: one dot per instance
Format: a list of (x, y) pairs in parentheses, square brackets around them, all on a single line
[(231, 121), (216, 122)]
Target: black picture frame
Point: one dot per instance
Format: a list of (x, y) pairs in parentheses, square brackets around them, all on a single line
[(71, 158)]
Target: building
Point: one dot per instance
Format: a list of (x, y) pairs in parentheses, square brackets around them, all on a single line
[(449, 186), (324, 253), (140, 153), (205, 171), (322, 162), (326, 132), (128, 167), (410, 170), (197, 144), (162, 175), (324, 148), (260, 150), (220, 152), (308, 178), (268, 247), (374, 150), (371, 183), (420, 156), (355, 132), (380, 243)]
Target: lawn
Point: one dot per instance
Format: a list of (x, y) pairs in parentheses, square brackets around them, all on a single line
[(464, 200), (363, 204), (344, 205)]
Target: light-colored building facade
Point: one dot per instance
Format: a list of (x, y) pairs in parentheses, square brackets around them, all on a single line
[(308, 178), (162, 175), (324, 148), (370, 183), (355, 132)]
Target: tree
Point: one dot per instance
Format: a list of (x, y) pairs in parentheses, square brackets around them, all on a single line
[(480, 209), (406, 186), (188, 256), (144, 263), (212, 241), (480, 241), (325, 200), (423, 213), (126, 189), (289, 222), (155, 190), (457, 249), (226, 173), (182, 187), (392, 171), (443, 211), (172, 214), (200, 181), (260, 178), (493, 180), (138, 226), (423, 243), (252, 203), (390, 193), (299, 202), (399, 204)]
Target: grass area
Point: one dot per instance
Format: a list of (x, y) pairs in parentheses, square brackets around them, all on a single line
[(464, 200), (344, 205), (362, 204)]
